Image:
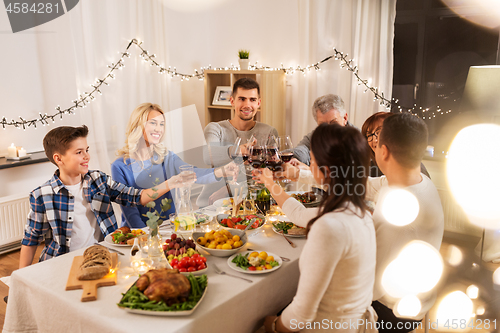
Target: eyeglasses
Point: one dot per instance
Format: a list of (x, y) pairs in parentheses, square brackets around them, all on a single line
[(375, 135)]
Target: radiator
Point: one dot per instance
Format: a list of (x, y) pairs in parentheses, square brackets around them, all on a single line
[(13, 212), (455, 220)]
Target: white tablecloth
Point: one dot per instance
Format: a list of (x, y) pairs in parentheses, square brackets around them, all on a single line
[(38, 301)]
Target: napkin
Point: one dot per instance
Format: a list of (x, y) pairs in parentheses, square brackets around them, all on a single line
[(6, 280)]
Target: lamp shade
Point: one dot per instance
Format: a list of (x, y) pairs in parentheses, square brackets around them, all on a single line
[(481, 93)]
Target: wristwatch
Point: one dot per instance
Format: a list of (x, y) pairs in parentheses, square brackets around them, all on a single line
[(273, 325)]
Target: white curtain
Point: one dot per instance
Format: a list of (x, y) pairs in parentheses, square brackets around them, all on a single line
[(52, 64), (364, 29)]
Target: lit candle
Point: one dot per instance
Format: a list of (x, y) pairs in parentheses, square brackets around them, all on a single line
[(12, 151), (21, 152)]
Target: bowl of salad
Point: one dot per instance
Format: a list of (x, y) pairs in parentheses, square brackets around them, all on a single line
[(241, 221)]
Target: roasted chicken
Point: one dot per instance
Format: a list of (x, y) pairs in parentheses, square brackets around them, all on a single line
[(166, 285)]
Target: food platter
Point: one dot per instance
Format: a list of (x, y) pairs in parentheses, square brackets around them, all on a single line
[(233, 266), (224, 202), (109, 238), (221, 217), (286, 234), (163, 313), (314, 203)]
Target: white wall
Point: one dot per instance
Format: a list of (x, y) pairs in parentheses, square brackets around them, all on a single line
[(39, 66)]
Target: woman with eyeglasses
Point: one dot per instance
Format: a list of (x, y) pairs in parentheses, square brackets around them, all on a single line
[(371, 131)]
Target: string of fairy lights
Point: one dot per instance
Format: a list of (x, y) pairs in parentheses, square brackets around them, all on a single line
[(86, 98)]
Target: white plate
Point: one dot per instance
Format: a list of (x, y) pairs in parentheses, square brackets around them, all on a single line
[(220, 203), (287, 235), (167, 313), (241, 270), (309, 204), (108, 239)]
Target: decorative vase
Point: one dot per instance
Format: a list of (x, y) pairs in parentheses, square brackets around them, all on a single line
[(244, 64), (154, 244)]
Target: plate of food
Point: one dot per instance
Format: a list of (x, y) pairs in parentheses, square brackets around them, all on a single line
[(171, 294), (241, 221), (124, 236), (289, 229), (221, 243), (224, 202), (184, 256), (252, 262), (308, 199)]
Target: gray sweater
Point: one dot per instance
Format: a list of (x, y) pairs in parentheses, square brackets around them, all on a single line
[(220, 136), (301, 151)]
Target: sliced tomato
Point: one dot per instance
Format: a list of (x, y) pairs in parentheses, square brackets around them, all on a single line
[(249, 217), (240, 226), (255, 224), (252, 268), (236, 219), (230, 223)]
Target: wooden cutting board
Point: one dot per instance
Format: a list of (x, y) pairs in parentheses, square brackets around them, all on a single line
[(89, 286)]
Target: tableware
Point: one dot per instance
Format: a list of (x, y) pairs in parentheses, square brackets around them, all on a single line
[(109, 239), (200, 272), (241, 270), (282, 258), (288, 235), (165, 313), (221, 252), (135, 248), (219, 271), (292, 244), (315, 203), (224, 202), (221, 217)]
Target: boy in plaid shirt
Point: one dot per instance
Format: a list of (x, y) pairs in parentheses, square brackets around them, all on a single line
[(73, 209)]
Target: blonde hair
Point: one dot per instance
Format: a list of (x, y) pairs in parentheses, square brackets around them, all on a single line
[(135, 130)]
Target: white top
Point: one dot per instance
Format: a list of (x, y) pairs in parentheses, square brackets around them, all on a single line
[(337, 272), (84, 231), (428, 227)]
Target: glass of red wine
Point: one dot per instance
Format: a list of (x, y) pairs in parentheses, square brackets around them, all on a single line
[(286, 148), (272, 157)]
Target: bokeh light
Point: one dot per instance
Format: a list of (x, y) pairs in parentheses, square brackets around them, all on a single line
[(454, 256), (472, 291), (417, 269), (454, 307), (476, 148), (496, 276), (486, 12), (408, 306), (480, 310), (400, 207)]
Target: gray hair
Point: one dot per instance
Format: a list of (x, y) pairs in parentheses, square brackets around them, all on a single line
[(326, 103)]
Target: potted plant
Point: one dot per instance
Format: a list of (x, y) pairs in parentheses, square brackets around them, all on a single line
[(244, 61)]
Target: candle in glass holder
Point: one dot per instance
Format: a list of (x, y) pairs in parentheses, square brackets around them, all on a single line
[(12, 151), (21, 152)]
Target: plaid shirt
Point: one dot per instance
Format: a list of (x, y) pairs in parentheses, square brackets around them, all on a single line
[(52, 210)]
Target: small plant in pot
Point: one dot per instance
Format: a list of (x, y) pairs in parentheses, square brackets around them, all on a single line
[(244, 61)]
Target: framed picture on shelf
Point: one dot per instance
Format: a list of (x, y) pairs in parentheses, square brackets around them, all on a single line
[(222, 95)]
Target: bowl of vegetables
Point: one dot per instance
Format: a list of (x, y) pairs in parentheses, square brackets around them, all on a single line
[(221, 243), (240, 222)]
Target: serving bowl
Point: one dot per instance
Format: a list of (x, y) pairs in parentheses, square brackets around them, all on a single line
[(221, 217), (221, 252)]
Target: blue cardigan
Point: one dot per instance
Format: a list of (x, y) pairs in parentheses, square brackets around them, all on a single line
[(143, 175)]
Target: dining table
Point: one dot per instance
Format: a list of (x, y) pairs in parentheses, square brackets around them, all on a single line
[(38, 301)]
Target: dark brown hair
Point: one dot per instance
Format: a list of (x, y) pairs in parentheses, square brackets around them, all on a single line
[(343, 156), (59, 139), (247, 84), (405, 136)]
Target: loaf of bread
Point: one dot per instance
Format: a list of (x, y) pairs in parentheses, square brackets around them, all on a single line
[(96, 263)]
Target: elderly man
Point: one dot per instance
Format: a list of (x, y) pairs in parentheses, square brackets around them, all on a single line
[(326, 109)]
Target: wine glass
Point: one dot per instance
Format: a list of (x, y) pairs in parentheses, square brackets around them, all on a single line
[(273, 160), (235, 152), (256, 156), (285, 148)]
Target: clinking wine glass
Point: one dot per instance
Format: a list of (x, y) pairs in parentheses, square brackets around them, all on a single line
[(285, 148), (273, 160)]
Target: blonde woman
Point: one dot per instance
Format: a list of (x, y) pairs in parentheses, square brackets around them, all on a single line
[(144, 159)]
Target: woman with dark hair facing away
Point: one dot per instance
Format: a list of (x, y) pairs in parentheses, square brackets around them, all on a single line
[(371, 131), (337, 264)]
